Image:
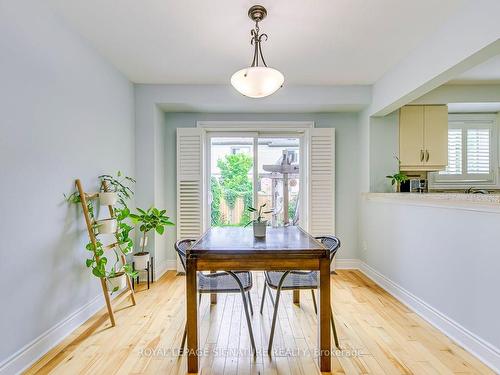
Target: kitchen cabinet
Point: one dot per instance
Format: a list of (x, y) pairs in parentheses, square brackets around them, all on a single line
[(423, 137)]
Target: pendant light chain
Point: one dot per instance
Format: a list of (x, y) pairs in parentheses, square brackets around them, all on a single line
[(256, 42)]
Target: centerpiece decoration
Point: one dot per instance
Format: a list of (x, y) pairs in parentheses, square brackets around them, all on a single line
[(259, 223)]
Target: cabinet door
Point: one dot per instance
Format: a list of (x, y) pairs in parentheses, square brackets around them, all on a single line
[(411, 136), (436, 135)]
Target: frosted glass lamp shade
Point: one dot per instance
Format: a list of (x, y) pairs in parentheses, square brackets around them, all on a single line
[(257, 81)]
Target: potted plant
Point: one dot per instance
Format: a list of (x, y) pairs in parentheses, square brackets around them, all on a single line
[(149, 219), (106, 226), (117, 225), (117, 281), (259, 225), (397, 178), (108, 198), (117, 185)]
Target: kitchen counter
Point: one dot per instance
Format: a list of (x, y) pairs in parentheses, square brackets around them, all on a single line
[(470, 202)]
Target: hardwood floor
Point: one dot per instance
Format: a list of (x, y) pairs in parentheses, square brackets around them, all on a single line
[(378, 335)]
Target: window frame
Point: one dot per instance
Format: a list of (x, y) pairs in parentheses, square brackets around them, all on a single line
[(465, 180)]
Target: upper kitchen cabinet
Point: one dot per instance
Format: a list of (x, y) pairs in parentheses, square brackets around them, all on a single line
[(423, 137)]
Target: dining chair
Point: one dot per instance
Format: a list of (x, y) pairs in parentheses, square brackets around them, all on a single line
[(220, 282), (293, 280)]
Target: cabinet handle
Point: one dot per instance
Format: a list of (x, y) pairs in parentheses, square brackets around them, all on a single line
[(421, 155), (426, 155)]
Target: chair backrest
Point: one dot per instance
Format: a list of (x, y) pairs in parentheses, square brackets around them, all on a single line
[(332, 243), (181, 247)]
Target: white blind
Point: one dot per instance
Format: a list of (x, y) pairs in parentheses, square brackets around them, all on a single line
[(454, 152), (478, 151)]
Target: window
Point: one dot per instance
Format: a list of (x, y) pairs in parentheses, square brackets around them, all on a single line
[(472, 152), (233, 187)]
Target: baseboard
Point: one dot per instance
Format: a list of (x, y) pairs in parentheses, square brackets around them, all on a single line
[(483, 350), (32, 352), (347, 264), (161, 268)]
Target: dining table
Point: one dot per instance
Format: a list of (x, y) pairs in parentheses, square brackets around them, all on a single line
[(236, 249)]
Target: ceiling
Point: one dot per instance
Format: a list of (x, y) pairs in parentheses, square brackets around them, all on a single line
[(485, 73), (321, 42)]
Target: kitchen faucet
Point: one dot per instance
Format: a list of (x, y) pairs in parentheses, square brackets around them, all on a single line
[(472, 190)]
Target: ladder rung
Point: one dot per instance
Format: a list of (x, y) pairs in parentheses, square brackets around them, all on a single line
[(91, 195), (111, 245)]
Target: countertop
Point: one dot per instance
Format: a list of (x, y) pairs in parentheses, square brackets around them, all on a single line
[(472, 202)]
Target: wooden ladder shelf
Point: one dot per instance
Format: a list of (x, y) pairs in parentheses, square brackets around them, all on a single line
[(129, 292)]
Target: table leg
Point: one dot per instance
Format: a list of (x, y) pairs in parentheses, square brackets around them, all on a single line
[(192, 316), (213, 296), (296, 296), (325, 346)]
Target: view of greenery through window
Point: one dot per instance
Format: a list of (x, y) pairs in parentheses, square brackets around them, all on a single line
[(233, 183), (232, 179)]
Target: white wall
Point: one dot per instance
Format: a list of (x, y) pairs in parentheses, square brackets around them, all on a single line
[(65, 113), (347, 147), (446, 257), (384, 144)]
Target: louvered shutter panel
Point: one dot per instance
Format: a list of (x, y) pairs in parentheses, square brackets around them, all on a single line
[(454, 152), (189, 183), (322, 181), (478, 151)]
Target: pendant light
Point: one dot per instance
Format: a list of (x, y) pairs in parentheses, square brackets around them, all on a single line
[(257, 81)]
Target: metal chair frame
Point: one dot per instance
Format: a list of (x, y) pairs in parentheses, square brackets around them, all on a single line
[(279, 287), (180, 247)]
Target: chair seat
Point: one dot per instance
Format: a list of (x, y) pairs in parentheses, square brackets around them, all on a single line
[(294, 280), (221, 282)]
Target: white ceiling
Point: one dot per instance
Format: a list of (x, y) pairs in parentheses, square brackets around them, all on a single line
[(321, 42), (485, 73)]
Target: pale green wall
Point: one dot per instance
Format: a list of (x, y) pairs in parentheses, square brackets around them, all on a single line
[(347, 148), (384, 144)]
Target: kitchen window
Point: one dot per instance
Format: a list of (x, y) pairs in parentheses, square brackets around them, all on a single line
[(472, 152)]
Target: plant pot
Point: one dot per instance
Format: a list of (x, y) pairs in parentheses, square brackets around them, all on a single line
[(396, 187), (108, 199), (141, 261), (259, 228), (118, 281), (106, 226)]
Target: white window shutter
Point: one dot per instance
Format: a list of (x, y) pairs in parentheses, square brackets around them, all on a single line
[(454, 152), (322, 181), (478, 151), (189, 183)]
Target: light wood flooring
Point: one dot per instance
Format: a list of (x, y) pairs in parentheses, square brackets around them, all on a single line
[(378, 334)]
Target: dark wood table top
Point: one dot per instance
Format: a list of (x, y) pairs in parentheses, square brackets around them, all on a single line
[(279, 242)]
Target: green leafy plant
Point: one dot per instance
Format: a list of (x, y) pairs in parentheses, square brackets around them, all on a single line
[(215, 212), (258, 213), (121, 185), (118, 185), (98, 261), (150, 219), (398, 177), (234, 177)]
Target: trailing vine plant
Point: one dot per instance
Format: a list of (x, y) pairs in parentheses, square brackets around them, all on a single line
[(98, 261)]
